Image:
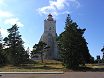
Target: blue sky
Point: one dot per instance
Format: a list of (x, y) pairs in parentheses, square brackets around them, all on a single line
[(30, 15)]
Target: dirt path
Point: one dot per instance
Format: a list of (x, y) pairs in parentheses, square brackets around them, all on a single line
[(65, 75)]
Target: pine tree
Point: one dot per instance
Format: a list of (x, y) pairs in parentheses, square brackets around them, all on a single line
[(72, 45), (40, 49), (2, 58), (14, 49), (103, 54)]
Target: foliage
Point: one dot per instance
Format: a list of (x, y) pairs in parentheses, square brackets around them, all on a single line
[(102, 49), (39, 49), (73, 46), (14, 50), (2, 58), (103, 54)]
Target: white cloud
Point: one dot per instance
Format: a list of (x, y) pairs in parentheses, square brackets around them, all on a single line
[(66, 12), (12, 21), (4, 32), (7, 17), (2, 1), (5, 14), (57, 6)]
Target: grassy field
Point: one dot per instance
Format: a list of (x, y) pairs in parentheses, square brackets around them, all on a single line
[(95, 65), (47, 66), (88, 68)]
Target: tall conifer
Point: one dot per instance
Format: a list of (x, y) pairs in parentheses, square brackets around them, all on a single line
[(14, 49), (72, 45)]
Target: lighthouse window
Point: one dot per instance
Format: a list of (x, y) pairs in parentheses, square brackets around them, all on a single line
[(50, 28)]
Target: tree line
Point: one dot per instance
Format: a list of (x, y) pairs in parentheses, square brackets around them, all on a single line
[(12, 49), (72, 47)]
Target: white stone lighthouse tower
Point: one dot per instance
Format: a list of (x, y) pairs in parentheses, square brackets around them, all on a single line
[(49, 37)]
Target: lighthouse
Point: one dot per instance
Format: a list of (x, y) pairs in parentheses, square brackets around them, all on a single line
[(49, 37)]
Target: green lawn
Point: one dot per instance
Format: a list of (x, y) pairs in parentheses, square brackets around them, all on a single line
[(47, 66)]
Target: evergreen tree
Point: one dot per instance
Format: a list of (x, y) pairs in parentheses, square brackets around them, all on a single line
[(83, 47), (14, 49), (103, 54), (39, 49), (2, 58), (72, 45)]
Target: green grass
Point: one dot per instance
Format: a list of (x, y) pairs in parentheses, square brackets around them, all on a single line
[(48, 65), (95, 65)]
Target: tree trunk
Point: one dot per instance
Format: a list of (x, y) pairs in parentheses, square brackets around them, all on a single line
[(42, 57)]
